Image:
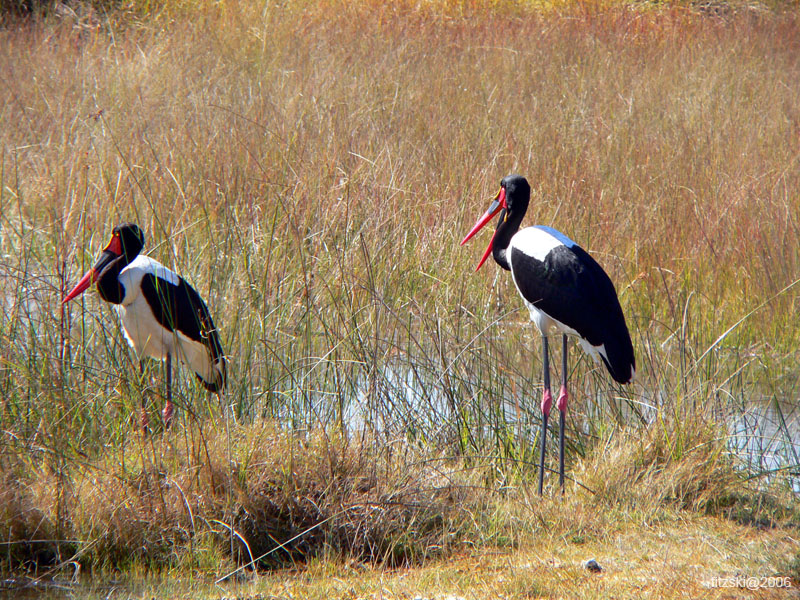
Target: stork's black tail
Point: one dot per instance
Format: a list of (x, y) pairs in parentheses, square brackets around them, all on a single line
[(219, 364), (619, 358)]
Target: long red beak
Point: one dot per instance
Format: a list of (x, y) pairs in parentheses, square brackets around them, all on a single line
[(498, 204), (88, 279), (110, 252)]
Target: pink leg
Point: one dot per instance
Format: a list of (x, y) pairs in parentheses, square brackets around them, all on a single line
[(167, 413), (169, 409), (144, 421), (547, 404), (561, 403)]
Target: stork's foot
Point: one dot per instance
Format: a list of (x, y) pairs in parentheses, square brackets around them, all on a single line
[(167, 414)]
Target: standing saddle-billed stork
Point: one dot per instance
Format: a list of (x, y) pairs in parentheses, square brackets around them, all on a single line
[(162, 315), (565, 291)]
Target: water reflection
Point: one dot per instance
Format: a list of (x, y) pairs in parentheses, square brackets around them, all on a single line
[(766, 438), (764, 433)]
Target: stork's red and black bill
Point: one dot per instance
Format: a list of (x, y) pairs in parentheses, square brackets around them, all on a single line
[(110, 252), (498, 204)]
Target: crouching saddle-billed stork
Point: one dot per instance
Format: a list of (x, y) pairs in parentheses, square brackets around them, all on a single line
[(162, 315), (565, 291)]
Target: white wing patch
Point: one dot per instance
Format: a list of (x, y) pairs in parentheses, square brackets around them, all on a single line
[(131, 276), (556, 234), (538, 241)]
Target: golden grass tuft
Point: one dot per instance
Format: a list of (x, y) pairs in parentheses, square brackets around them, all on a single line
[(682, 463), (277, 498), (274, 499), (687, 465), (28, 521)]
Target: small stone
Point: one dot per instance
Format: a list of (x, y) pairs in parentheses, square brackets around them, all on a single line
[(593, 566)]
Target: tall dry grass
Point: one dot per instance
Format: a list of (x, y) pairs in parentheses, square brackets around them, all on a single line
[(311, 167)]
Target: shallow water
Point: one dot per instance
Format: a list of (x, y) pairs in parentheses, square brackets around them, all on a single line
[(764, 432), (766, 438)]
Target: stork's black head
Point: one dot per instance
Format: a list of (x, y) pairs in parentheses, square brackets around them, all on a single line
[(511, 202), (517, 194), (127, 241), (131, 240)]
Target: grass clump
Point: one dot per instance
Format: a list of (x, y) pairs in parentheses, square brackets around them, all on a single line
[(275, 499), (278, 499), (686, 465), (30, 525)]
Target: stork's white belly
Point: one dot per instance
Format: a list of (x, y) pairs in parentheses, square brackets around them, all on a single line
[(143, 332)]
